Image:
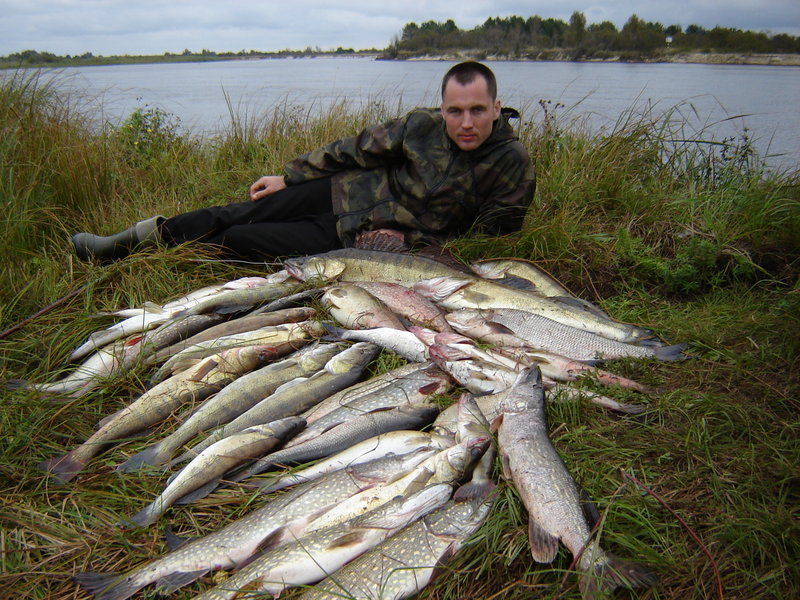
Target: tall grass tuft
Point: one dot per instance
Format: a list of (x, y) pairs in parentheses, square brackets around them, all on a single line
[(658, 225)]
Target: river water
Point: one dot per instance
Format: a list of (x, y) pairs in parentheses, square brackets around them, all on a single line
[(714, 102)]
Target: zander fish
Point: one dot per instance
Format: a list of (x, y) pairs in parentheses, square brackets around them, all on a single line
[(216, 460), (550, 494), (158, 403), (233, 400), (355, 308)]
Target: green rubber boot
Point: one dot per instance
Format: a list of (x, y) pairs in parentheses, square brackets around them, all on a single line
[(119, 245)]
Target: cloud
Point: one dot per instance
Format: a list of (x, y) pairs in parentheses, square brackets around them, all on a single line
[(154, 27)]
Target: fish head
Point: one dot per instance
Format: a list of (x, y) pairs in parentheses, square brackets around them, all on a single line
[(454, 462), (355, 357), (471, 422), (314, 267)]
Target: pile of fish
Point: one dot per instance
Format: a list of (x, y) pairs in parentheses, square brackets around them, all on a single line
[(369, 482)]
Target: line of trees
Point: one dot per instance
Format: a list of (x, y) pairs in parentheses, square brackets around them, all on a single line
[(515, 36)]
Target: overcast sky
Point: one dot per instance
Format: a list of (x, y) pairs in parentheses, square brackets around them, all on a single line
[(108, 27)]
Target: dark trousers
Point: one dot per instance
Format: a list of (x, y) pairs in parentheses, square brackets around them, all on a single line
[(295, 221)]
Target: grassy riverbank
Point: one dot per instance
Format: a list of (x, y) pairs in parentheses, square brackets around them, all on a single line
[(692, 239)]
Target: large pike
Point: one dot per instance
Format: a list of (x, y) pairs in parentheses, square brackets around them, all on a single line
[(319, 554), (233, 545), (216, 460), (406, 563), (344, 435), (158, 403), (551, 495), (234, 399)]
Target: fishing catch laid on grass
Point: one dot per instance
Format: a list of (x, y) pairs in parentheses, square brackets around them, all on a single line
[(360, 479)]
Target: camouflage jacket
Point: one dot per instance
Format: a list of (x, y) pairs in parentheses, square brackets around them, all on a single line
[(407, 174)]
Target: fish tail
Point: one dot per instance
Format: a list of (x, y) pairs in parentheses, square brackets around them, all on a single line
[(334, 333), (17, 384), (108, 586), (668, 353), (66, 466), (152, 455), (145, 517), (607, 572)]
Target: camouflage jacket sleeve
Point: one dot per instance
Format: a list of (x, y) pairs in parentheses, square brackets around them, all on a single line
[(377, 146)]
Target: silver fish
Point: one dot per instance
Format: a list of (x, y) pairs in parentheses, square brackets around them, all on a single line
[(265, 527), (511, 327)]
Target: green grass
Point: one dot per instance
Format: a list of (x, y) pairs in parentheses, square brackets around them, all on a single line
[(695, 240)]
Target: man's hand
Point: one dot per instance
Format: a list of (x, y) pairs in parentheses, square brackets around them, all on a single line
[(269, 184)]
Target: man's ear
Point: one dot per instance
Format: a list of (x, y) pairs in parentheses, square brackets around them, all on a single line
[(497, 109)]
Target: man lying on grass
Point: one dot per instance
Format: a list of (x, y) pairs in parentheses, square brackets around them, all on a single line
[(427, 176)]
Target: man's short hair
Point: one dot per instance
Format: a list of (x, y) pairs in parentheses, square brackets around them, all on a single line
[(467, 71)]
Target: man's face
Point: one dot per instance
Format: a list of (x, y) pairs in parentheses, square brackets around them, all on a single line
[(469, 112)]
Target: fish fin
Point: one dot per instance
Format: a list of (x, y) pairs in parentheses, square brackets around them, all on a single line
[(544, 546), (16, 384), (429, 388), (669, 353), (473, 490), (148, 456), (64, 467), (173, 581), (439, 288), (589, 508), (173, 540), (500, 328), (204, 369), (609, 573), (199, 493), (334, 333), (107, 586), (271, 541), (351, 538)]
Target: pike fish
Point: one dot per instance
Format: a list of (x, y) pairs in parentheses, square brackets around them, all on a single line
[(158, 403), (551, 496), (316, 555), (344, 436), (216, 460), (234, 399), (296, 396), (284, 339), (406, 563), (393, 443), (414, 388), (233, 545), (232, 327), (511, 327)]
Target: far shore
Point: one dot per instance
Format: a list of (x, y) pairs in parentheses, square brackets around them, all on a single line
[(706, 58), (709, 58)]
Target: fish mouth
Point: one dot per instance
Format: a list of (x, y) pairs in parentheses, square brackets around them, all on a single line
[(293, 270)]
